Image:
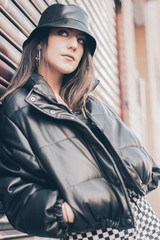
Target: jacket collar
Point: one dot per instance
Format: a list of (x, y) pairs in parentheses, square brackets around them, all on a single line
[(37, 82), (96, 83)]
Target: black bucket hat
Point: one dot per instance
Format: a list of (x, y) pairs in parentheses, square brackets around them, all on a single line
[(70, 16)]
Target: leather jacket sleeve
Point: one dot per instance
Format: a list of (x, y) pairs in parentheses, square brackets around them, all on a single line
[(139, 164), (30, 204), (155, 177)]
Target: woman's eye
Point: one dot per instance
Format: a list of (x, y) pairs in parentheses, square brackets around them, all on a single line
[(82, 41), (63, 33)]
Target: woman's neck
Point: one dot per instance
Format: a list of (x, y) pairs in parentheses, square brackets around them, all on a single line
[(53, 78)]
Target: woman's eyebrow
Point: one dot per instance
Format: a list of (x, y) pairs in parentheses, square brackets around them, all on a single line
[(82, 35), (79, 33)]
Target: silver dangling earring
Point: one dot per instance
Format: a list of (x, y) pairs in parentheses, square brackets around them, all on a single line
[(38, 57)]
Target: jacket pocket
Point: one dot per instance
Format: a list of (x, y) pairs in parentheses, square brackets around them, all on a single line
[(93, 201)]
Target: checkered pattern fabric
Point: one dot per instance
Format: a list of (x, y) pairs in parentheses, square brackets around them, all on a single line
[(147, 224)]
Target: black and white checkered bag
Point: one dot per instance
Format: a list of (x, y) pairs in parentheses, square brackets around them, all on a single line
[(147, 224)]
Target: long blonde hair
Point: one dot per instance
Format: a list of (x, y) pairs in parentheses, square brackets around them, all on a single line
[(75, 87)]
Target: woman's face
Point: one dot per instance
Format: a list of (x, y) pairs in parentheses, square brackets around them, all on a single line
[(65, 49)]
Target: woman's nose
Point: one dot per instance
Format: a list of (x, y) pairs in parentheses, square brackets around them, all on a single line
[(73, 43)]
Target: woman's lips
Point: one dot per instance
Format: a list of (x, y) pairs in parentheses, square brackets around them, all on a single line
[(69, 57)]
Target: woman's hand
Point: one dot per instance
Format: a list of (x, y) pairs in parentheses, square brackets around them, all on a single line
[(68, 214)]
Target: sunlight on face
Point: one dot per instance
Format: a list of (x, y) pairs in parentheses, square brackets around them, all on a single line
[(65, 49)]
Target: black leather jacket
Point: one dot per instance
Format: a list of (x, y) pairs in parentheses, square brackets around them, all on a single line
[(48, 156)]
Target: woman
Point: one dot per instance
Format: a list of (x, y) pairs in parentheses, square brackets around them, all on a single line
[(69, 166)]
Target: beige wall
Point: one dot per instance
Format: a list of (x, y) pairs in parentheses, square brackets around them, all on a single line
[(152, 21), (133, 78)]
